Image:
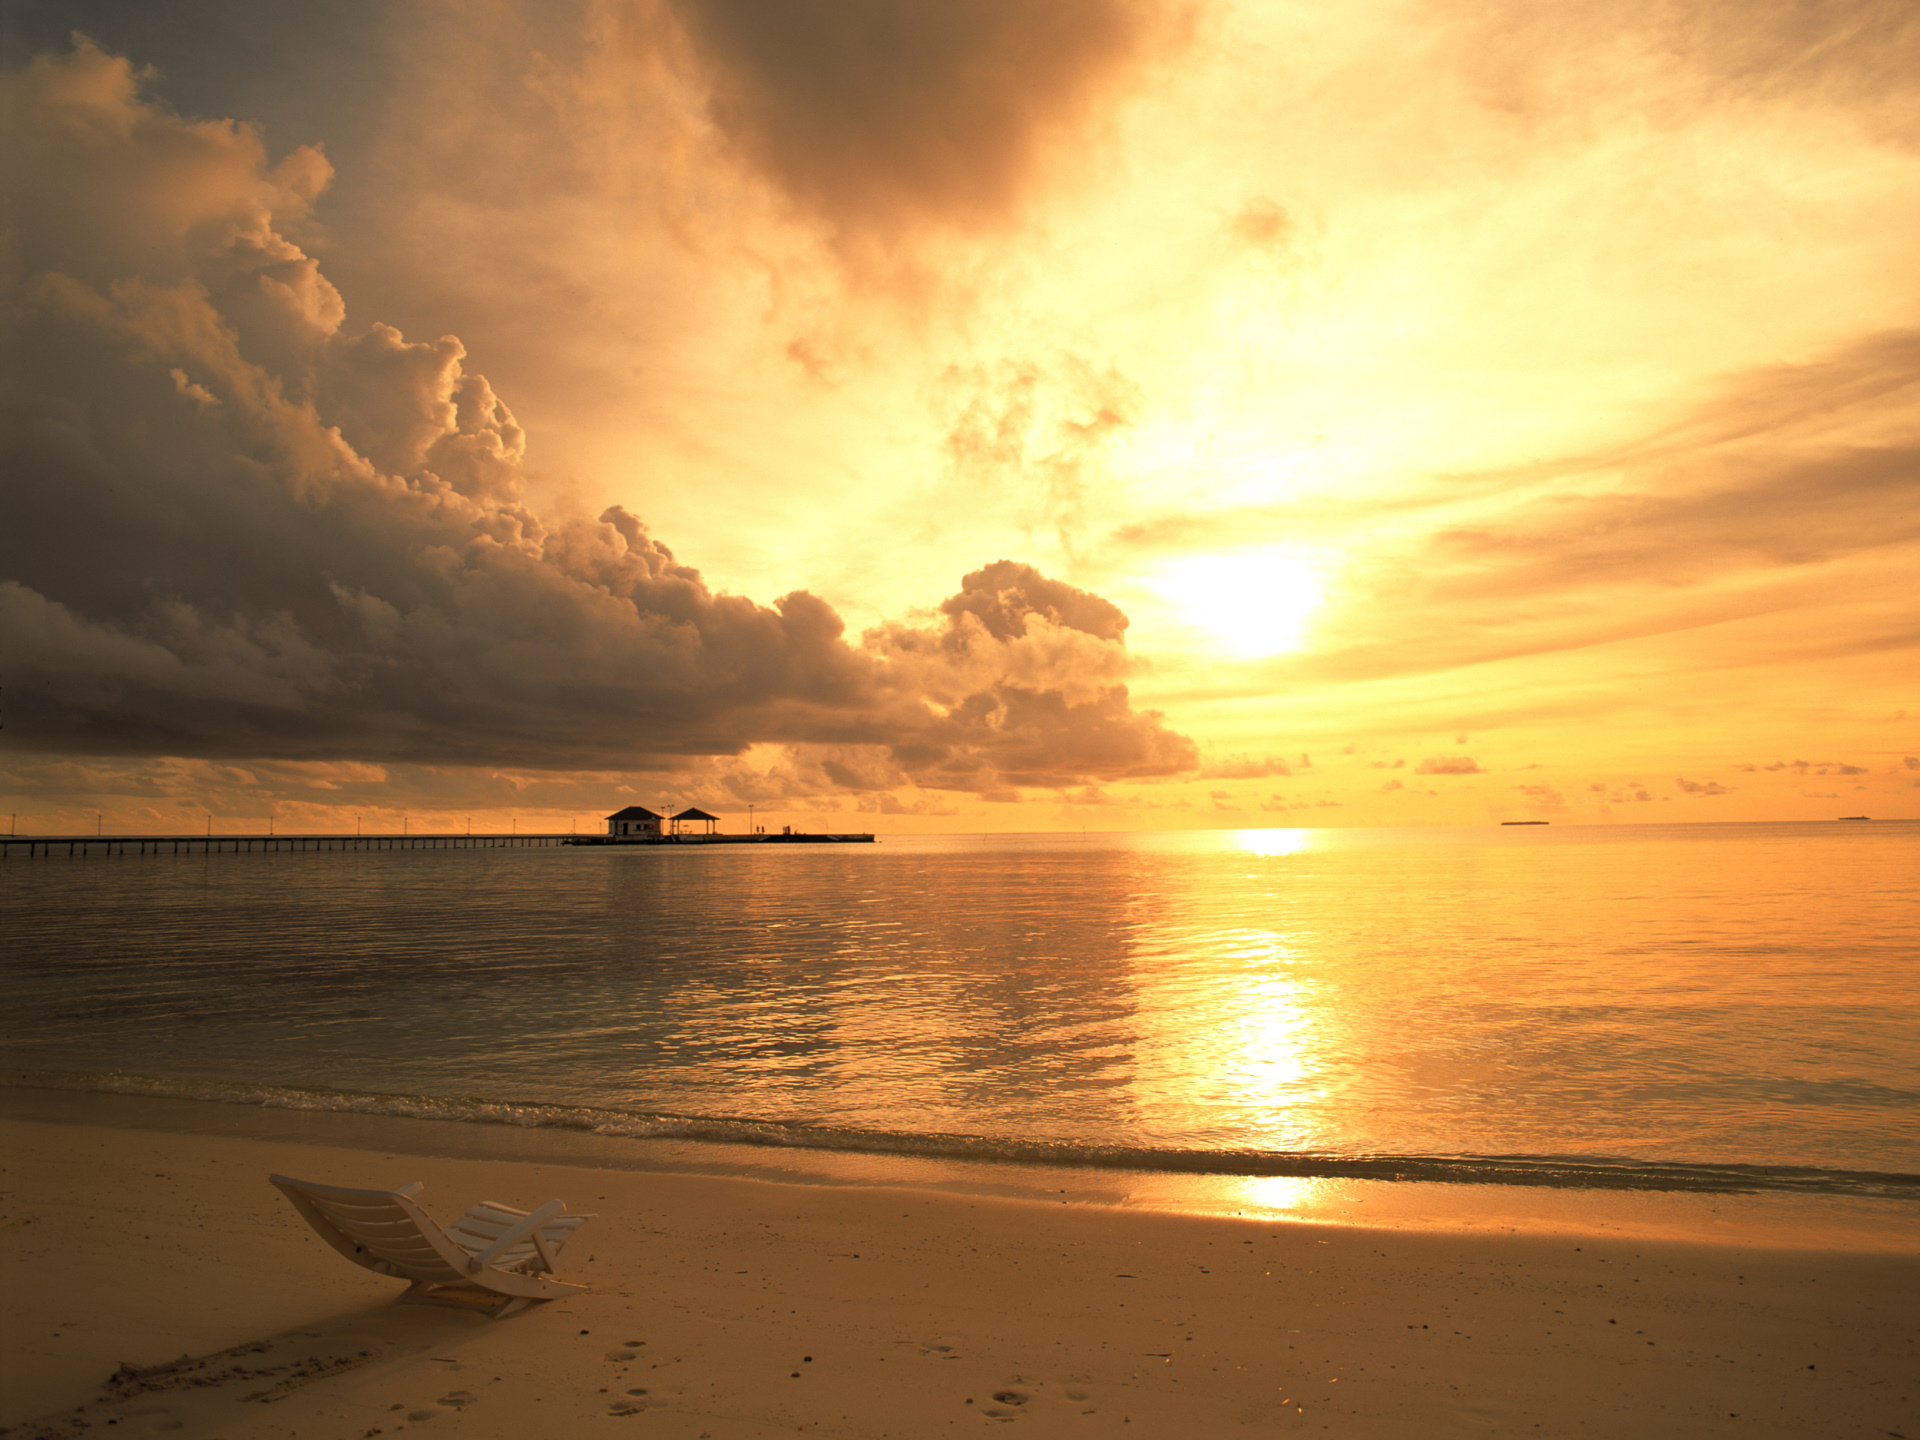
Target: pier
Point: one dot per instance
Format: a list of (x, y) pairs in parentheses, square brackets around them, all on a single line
[(787, 839), (28, 846), (11, 845)]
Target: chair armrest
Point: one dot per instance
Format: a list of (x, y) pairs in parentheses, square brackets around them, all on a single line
[(515, 1234)]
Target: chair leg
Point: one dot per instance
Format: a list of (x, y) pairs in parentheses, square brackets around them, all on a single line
[(514, 1306)]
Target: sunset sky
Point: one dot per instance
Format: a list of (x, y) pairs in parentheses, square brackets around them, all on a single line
[(960, 416)]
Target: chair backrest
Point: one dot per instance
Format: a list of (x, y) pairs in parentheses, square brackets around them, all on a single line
[(380, 1229)]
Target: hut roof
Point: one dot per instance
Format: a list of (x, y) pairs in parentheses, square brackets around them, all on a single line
[(695, 815), (634, 812)]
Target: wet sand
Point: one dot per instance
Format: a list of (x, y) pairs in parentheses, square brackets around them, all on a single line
[(724, 1307)]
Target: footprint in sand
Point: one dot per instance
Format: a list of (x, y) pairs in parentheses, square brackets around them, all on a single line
[(423, 1414), (625, 1407), (1006, 1404), (155, 1419), (456, 1398)]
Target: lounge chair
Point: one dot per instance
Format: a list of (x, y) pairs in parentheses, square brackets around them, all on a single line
[(491, 1254)]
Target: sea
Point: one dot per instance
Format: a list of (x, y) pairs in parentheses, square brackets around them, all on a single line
[(1708, 1009)]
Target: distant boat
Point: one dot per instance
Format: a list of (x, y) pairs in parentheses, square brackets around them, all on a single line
[(1856, 817), (1549, 822)]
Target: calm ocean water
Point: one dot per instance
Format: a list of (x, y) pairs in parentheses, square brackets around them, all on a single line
[(1623, 1005)]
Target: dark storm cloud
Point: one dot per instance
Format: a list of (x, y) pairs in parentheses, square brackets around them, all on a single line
[(238, 530), (880, 113)]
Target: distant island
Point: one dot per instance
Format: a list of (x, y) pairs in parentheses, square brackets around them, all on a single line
[(1526, 822), (1856, 817)]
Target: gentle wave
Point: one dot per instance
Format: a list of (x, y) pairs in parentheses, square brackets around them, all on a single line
[(1559, 1171)]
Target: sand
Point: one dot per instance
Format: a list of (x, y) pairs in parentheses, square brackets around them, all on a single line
[(729, 1307)]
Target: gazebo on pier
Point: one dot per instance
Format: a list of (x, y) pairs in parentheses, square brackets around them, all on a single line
[(633, 823), (690, 817)]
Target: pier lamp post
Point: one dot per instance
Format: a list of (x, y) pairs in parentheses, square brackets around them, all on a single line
[(749, 819)]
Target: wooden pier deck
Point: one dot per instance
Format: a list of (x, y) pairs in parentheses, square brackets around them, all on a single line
[(28, 846)]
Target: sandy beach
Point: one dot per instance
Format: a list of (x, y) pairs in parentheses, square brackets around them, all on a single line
[(736, 1307)]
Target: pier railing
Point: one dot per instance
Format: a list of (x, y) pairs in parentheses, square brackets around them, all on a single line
[(78, 845), (12, 845)]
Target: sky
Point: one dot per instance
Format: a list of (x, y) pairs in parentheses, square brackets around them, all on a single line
[(980, 416)]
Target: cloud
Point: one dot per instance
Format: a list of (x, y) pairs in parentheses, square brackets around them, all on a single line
[(1702, 787), (1861, 55), (1262, 223), (1543, 797), (1448, 765), (1039, 431), (883, 115), (240, 529), (1783, 493), (1806, 767), (1241, 767)]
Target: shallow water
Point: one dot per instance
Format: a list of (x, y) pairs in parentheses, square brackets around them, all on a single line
[(1694, 996)]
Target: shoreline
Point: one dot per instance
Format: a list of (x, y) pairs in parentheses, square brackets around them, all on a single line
[(1777, 1218), (140, 1235)]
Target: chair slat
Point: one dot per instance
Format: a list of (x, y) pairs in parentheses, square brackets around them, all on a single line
[(386, 1231)]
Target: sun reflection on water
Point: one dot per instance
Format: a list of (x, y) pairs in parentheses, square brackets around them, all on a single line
[(1274, 842)]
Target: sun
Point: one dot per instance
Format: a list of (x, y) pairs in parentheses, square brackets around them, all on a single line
[(1253, 602)]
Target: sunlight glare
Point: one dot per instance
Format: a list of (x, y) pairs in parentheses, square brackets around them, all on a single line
[(1254, 602), (1273, 842)]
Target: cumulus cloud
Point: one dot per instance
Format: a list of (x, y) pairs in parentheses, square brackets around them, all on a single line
[(239, 528), (1448, 765)]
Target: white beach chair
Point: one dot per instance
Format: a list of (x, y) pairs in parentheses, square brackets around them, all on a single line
[(493, 1253)]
